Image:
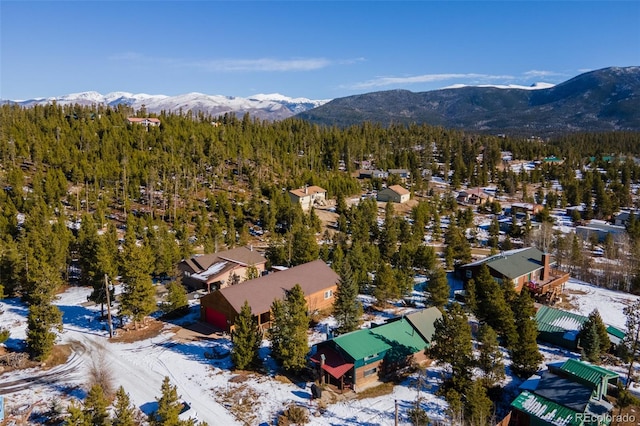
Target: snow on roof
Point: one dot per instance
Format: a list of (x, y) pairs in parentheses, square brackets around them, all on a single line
[(212, 270), (566, 323)]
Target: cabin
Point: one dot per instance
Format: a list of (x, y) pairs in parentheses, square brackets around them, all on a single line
[(394, 194), (598, 230), (308, 197), (526, 267), (318, 281), (372, 174), (144, 121), (360, 359), (561, 328), (218, 270), (571, 393), (474, 196)]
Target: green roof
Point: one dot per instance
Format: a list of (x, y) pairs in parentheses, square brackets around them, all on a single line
[(615, 332), (543, 409), (514, 263), (397, 334), (588, 372), (551, 320)]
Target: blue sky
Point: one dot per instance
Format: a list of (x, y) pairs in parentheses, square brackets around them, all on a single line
[(312, 49)]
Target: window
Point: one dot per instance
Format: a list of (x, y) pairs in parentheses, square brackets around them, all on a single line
[(328, 294), (370, 357), (370, 372), (469, 273)]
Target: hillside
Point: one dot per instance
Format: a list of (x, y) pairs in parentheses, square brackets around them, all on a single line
[(597, 101)]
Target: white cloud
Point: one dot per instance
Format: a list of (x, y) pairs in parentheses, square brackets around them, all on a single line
[(540, 74), (262, 64), (427, 78), (236, 64)]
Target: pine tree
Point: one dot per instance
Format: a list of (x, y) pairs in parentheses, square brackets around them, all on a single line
[(42, 318), (492, 306), (590, 342), (347, 309), (438, 287), (452, 345), (478, 406), (246, 340), (631, 343), (490, 357), (95, 407), (138, 297), (124, 414), (176, 298), (289, 332), (169, 406), (76, 416), (525, 354), (595, 320)]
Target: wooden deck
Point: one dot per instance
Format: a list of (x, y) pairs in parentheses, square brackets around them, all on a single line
[(553, 285)]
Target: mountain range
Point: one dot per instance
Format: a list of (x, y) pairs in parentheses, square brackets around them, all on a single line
[(265, 107), (596, 101)]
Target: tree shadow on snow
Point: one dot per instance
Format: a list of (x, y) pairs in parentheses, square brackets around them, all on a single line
[(79, 318)]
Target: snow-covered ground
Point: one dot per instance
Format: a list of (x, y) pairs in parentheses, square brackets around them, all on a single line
[(208, 384)]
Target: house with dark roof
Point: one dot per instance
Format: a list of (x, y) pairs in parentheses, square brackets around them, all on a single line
[(568, 393), (318, 281), (624, 217), (356, 360), (308, 196), (219, 270), (528, 267), (394, 194), (561, 328)]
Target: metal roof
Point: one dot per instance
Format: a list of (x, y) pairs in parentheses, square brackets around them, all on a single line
[(552, 320), (543, 409), (424, 321), (513, 263), (588, 372), (364, 343)]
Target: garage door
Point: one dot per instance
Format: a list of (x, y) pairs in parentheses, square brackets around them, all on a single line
[(216, 318)]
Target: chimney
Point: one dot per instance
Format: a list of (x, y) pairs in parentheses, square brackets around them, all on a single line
[(306, 189), (546, 269)]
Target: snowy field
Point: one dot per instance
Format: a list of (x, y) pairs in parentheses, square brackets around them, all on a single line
[(208, 384)]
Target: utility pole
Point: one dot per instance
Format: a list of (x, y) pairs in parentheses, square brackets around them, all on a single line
[(106, 287), (396, 417)]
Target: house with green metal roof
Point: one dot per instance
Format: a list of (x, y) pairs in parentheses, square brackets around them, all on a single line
[(561, 328), (569, 393), (356, 360), (526, 267)]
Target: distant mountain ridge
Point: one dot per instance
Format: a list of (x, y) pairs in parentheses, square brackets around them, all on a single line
[(602, 100), (262, 106)]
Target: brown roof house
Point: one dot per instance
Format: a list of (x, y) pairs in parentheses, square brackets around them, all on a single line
[(318, 282), (474, 196), (144, 121), (219, 270), (394, 194), (308, 196)]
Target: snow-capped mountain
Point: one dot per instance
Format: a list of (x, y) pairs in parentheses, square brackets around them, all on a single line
[(263, 106)]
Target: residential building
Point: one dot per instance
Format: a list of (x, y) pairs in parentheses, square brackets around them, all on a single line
[(403, 174), (521, 267), (356, 360), (598, 230), (394, 194), (218, 270), (144, 121), (568, 393), (372, 174), (623, 218), (561, 328), (318, 281), (308, 196), (474, 196)]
